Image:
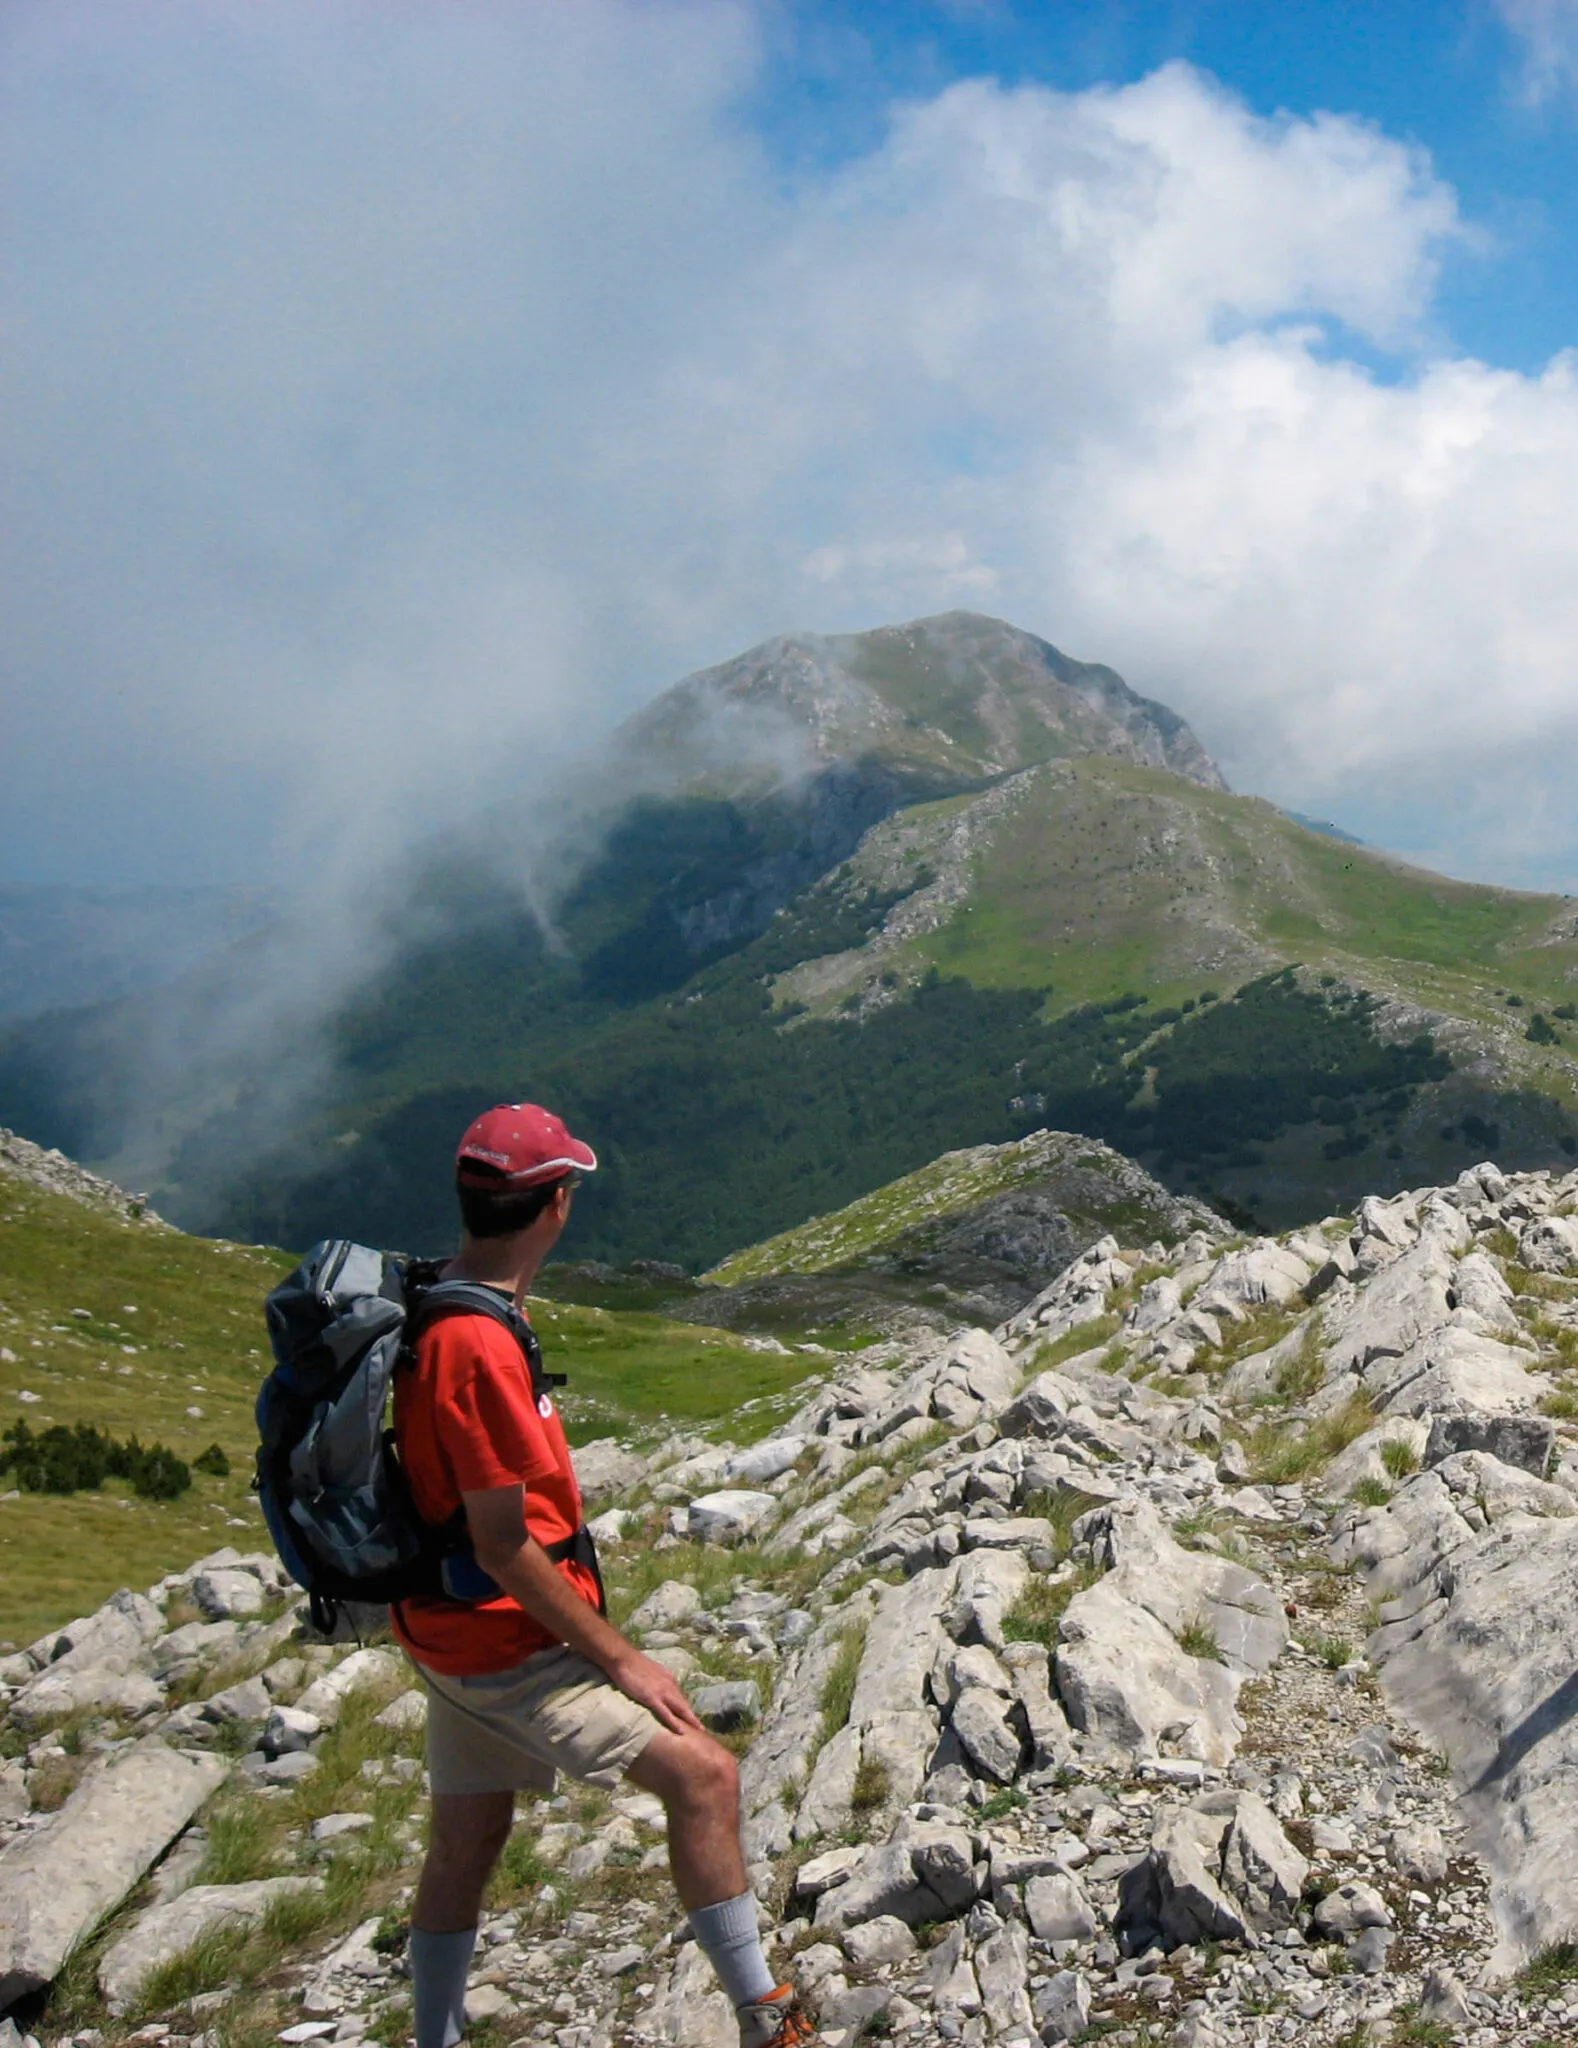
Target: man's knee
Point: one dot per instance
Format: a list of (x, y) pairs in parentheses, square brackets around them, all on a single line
[(690, 1770)]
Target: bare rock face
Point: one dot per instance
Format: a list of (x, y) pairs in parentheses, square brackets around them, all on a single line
[(59, 1881), (1479, 1655)]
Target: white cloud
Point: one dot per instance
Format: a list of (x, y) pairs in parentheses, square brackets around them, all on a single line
[(1547, 31), (389, 404)]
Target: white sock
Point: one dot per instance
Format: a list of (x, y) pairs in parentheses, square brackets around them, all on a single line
[(439, 1963), (727, 1936)]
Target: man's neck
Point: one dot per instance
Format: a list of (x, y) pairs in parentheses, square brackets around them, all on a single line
[(507, 1262)]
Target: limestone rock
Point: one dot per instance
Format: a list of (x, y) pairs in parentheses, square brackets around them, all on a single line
[(728, 1516), (728, 1706), (767, 1460), (1062, 2006), (59, 1881), (1526, 1440), (1550, 1245), (666, 1606), (606, 1467), (227, 1595), (1350, 1908), (1002, 1972), (165, 1931), (1057, 1908), (361, 1671)]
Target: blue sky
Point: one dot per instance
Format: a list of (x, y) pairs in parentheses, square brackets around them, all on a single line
[(422, 387), (1454, 78)]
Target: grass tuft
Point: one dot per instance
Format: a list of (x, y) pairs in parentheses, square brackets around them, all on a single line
[(1278, 1456), (1035, 1615), (1399, 1458), (838, 1688), (1197, 1638)]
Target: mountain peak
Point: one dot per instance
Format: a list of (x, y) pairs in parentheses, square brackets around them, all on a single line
[(956, 696)]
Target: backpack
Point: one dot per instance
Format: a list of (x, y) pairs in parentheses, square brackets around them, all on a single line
[(333, 1492)]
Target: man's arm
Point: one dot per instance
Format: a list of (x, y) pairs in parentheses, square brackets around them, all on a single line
[(496, 1520)]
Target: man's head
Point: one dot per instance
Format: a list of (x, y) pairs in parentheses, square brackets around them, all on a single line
[(515, 1167)]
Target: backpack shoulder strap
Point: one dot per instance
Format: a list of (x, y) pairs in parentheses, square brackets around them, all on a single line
[(472, 1298)]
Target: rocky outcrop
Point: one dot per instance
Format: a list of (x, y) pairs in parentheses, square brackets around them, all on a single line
[(1046, 1657)]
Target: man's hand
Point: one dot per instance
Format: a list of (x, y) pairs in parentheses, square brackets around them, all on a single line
[(653, 1686)]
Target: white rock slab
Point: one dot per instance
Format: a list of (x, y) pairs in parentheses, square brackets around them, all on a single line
[(59, 1881), (166, 1931)]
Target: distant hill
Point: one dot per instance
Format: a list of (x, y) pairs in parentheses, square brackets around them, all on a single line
[(850, 903), (63, 947)]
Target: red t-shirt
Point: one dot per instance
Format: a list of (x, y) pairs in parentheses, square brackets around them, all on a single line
[(465, 1421)]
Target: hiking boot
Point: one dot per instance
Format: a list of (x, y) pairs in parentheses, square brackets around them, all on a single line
[(779, 2021)]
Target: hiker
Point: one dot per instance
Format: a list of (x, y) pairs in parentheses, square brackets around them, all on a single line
[(534, 1680)]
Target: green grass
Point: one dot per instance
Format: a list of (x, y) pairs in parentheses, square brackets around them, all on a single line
[(1279, 1454), (175, 1322), (838, 1688), (1197, 1638), (1550, 1968), (1333, 1651), (1370, 1493), (1034, 1616), (1400, 1458), (167, 1315)]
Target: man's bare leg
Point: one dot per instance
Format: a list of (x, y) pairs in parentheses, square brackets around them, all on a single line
[(699, 1785), (469, 1832)]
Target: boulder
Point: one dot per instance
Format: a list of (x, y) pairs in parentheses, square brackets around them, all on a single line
[(1350, 1909), (877, 1942), (1042, 1409), (1123, 1679), (728, 1516), (769, 1459), (1183, 1587), (982, 1722), (728, 1706), (1455, 1371), (1549, 1244), (606, 1467), (1221, 1869), (362, 1670), (227, 1595), (166, 1931), (56, 1693), (690, 2011), (885, 1886), (1057, 1908), (667, 1606), (60, 1880), (1526, 1440), (1002, 1973), (1062, 2006), (1259, 1273), (288, 1729), (406, 1715), (248, 1701)]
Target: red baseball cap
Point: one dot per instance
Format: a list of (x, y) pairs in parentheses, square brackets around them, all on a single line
[(520, 1145)]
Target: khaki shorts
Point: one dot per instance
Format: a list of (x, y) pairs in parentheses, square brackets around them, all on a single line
[(510, 1731)]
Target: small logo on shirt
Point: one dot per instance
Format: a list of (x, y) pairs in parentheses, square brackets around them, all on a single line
[(544, 1406)]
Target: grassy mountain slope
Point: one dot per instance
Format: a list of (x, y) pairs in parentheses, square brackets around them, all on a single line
[(921, 1217), (898, 894), (171, 1348)]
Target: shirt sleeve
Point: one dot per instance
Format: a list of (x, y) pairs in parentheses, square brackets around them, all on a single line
[(486, 1417)]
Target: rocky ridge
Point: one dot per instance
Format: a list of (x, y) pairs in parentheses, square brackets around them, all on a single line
[(1186, 1661), (23, 1160)]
